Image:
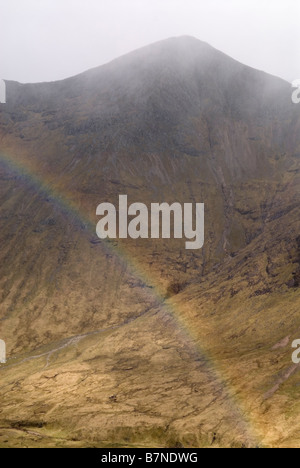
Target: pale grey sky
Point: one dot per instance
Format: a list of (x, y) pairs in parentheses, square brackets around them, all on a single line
[(45, 40)]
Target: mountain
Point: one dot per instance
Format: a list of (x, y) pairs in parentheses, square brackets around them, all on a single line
[(141, 342)]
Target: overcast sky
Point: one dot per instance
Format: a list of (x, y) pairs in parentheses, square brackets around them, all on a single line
[(45, 40)]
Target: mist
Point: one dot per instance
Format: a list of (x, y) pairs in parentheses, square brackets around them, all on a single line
[(46, 40)]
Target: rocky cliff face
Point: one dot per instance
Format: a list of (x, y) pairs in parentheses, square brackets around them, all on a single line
[(156, 327)]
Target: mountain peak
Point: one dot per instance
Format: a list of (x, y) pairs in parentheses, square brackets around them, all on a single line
[(180, 45), (184, 40)]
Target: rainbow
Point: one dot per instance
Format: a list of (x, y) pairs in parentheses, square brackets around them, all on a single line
[(31, 176)]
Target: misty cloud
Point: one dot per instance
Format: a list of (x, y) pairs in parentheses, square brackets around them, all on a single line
[(54, 39)]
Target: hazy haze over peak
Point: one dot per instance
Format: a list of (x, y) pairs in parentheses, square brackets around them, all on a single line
[(53, 40)]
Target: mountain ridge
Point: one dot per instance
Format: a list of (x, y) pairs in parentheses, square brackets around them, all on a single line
[(221, 134)]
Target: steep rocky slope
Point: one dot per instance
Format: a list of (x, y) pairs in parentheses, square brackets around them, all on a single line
[(143, 342)]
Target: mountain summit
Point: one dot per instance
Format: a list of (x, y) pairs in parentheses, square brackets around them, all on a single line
[(142, 342)]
